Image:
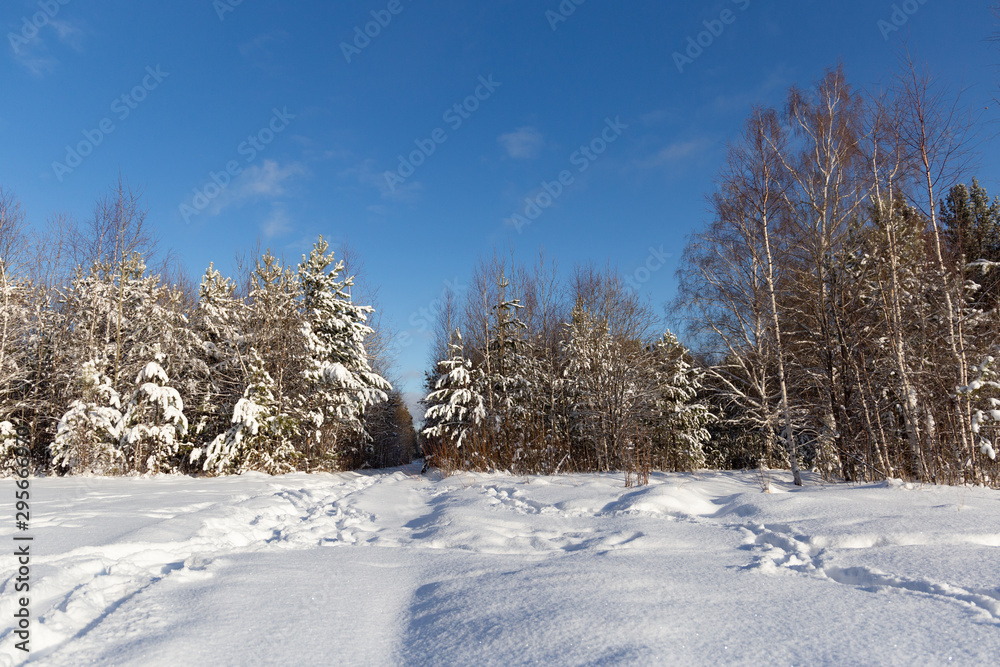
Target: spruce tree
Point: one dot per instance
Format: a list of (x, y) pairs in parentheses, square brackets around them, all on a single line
[(972, 231), (216, 326)]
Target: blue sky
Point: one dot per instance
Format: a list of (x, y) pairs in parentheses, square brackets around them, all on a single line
[(264, 98)]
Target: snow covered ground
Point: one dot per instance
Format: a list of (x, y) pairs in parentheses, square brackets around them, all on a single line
[(392, 568)]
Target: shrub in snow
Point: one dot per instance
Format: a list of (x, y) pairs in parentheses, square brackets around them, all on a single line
[(154, 422), (88, 436)]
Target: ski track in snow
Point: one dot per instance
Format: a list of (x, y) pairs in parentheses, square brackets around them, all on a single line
[(75, 591)]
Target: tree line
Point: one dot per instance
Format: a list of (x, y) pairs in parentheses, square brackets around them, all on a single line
[(841, 302), (109, 367), (840, 306), (538, 375), (843, 294)]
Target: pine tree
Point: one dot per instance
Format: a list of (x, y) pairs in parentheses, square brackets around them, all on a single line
[(276, 348), (261, 438), (971, 225), (140, 318), (393, 436), (455, 407), (340, 383), (216, 327), (589, 350), (680, 421), (87, 439), (908, 293), (504, 383), (121, 314), (154, 422)]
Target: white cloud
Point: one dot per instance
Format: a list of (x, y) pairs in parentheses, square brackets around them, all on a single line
[(34, 53), (656, 116), (265, 181), (674, 153), (278, 223), (523, 143), (268, 179), (68, 33), (263, 51), (261, 42)]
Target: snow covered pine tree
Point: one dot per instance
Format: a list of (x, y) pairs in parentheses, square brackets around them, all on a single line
[(679, 421), (87, 438), (455, 407), (154, 422), (260, 438), (340, 383)]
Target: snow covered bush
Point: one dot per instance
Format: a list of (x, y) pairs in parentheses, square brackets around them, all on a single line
[(10, 440)]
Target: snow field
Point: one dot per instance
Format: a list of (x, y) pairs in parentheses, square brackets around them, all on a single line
[(397, 568)]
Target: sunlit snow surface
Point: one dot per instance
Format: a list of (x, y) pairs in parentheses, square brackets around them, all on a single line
[(395, 568)]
